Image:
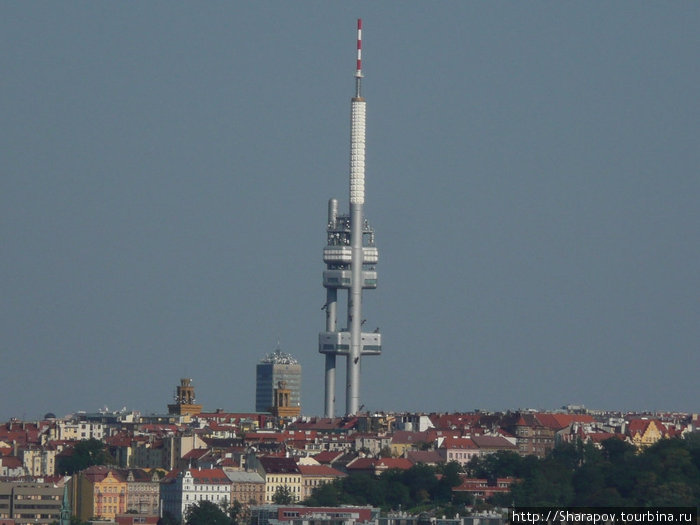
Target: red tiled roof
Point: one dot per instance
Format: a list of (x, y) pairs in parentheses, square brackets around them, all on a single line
[(493, 442), (327, 456), (458, 442), (400, 463), (450, 421), (209, 475), (319, 470), (196, 453), (381, 464), (406, 437), (428, 457), (268, 437), (11, 462), (552, 421), (597, 437)]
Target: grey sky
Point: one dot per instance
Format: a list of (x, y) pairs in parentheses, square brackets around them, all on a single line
[(532, 176)]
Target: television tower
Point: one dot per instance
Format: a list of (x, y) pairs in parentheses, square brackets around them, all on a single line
[(350, 256)]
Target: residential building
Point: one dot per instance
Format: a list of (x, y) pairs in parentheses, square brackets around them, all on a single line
[(371, 444), (181, 489), (489, 444), (177, 446), (142, 491), (105, 492), (458, 448), (536, 432), (11, 467), (279, 473), (39, 461), (75, 430), (402, 441), (247, 488), (313, 476), (98, 492), (644, 432)]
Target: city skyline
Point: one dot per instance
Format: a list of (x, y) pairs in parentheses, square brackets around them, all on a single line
[(531, 172)]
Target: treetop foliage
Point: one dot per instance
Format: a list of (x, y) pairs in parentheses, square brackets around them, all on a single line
[(85, 454), (574, 474)]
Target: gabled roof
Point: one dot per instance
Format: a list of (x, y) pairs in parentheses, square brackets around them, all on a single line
[(328, 456), (372, 464), (97, 473), (140, 475), (452, 442), (640, 426), (493, 442), (208, 475), (559, 421)]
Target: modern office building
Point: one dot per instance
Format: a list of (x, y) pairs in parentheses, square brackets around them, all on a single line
[(23, 503), (273, 368)]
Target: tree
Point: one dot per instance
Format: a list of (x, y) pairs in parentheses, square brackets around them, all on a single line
[(235, 512), (85, 454), (283, 495), (326, 495), (206, 513)]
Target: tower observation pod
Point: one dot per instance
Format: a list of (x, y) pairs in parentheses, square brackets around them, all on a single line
[(350, 257)]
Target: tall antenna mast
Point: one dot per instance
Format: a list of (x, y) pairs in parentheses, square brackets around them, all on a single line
[(350, 256), (358, 72)]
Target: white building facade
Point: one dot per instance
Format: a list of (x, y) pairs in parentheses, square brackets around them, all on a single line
[(180, 491)]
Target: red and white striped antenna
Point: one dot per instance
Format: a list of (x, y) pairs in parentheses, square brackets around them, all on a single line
[(358, 73)]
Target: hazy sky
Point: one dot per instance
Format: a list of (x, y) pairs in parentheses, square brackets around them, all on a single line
[(532, 176)]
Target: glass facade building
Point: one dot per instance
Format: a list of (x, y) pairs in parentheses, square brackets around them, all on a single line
[(273, 368)]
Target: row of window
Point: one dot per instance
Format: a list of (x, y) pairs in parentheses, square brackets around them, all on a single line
[(37, 496), (291, 488), (206, 488), (214, 497), (284, 479)]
